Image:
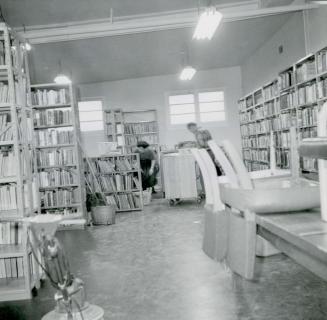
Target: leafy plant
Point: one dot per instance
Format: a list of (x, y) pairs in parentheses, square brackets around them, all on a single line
[(94, 200)]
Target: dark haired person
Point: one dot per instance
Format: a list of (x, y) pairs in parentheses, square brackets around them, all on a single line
[(149, 165), (202, 136)]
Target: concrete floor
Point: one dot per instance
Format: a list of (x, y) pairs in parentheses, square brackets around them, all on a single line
[(150, 266)]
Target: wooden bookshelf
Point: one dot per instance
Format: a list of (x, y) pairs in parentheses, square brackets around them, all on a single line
[(118, 178), (59, 165), (19, 273), (127, 128), (293, 98)]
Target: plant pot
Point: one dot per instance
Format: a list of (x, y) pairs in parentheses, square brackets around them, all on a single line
[(103, 215)]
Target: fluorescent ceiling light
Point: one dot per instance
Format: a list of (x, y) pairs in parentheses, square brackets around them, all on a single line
[(62, 79), (323, 2), (208, 23), (187, 73)]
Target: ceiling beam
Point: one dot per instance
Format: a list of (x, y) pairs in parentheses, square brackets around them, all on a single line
[(149, 23)]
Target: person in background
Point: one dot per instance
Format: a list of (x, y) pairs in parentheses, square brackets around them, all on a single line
[(149, 165), (202, 136)]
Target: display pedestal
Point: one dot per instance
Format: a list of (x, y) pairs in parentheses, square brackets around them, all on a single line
[(92, 312)]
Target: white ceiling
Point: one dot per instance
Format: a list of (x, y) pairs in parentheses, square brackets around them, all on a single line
[(39, 12), (151, 53)]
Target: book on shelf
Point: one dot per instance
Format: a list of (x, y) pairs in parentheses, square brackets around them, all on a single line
[(11, 232), (258, 97), (8, 197), (50, 97), (286, 79), (270, 91), (133, 140), (6, 132), (308, 116), (306, 71), (249, 101), (283, 158), (4, 93), (59, 157), (128, 201), (7, 162), (140, 128), (11, 268), (56, 177), (52, 137), (2, 53), (117, 182), (58, 198), (288, 100), (307, 94), (322, 61), (50, 117), (322, 88)]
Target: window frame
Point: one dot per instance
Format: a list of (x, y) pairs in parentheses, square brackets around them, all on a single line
[(196, 92), (86, 99)]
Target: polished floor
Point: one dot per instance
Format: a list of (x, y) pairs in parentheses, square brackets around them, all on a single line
[(150, 266)]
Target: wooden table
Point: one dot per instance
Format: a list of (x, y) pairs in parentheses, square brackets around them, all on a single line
[(300, 235)]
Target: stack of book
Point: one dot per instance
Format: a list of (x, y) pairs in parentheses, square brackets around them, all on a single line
[(53, 117), (50, 97)]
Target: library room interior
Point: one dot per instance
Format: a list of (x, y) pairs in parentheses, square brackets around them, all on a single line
[(163, 160)]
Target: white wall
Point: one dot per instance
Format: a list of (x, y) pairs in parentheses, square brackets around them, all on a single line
[(316, 27), (150, 93), (265, 63)]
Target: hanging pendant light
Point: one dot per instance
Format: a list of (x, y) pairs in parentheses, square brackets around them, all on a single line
[(61, 78)]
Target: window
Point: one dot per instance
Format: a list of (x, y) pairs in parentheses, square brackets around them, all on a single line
[(90, 115), (207, 106)]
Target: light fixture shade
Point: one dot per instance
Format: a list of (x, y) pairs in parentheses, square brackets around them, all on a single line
[(28, 47), (187, 73), (62, 79), (208, 23)]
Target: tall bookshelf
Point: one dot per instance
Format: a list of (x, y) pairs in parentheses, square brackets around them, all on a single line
[(59, 165), (19, 273), (127, 128), (292, 99), (118, 179)]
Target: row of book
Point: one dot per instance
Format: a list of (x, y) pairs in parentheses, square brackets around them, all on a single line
[(114, 116), (270, 108), (258, 97), (322, 61), (116, 183), (7, 163), (57, 177), (309, 165), (256, 155), (286, 79), (12, 268), (282, 139), (11, 232), (256, 142), (306, 71), (52, 137), (283, 159), (8, 197), (307, 94), (114, 164), (125, 201), (322, 88), (288, 100), (307, 116), (55, 198), (308, 133), (57, 157), (133, 140), (6, 132), (255, 166), (2, 53), (53, 117), (137, 128), (271, 91), (4, 93), (249, 102), (50, 97)]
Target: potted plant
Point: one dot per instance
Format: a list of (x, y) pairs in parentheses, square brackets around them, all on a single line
[(101, 212)]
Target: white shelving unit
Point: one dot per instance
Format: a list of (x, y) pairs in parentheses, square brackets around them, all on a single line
[(19, 273), (59, 165)]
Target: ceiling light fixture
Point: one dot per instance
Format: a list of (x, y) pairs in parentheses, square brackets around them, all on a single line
[(28, 47), (62, 79), (208, 23), (187, 73), (323, 2)]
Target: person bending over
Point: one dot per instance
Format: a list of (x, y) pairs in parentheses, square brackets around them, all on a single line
[(202, 136), (149, 165)]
